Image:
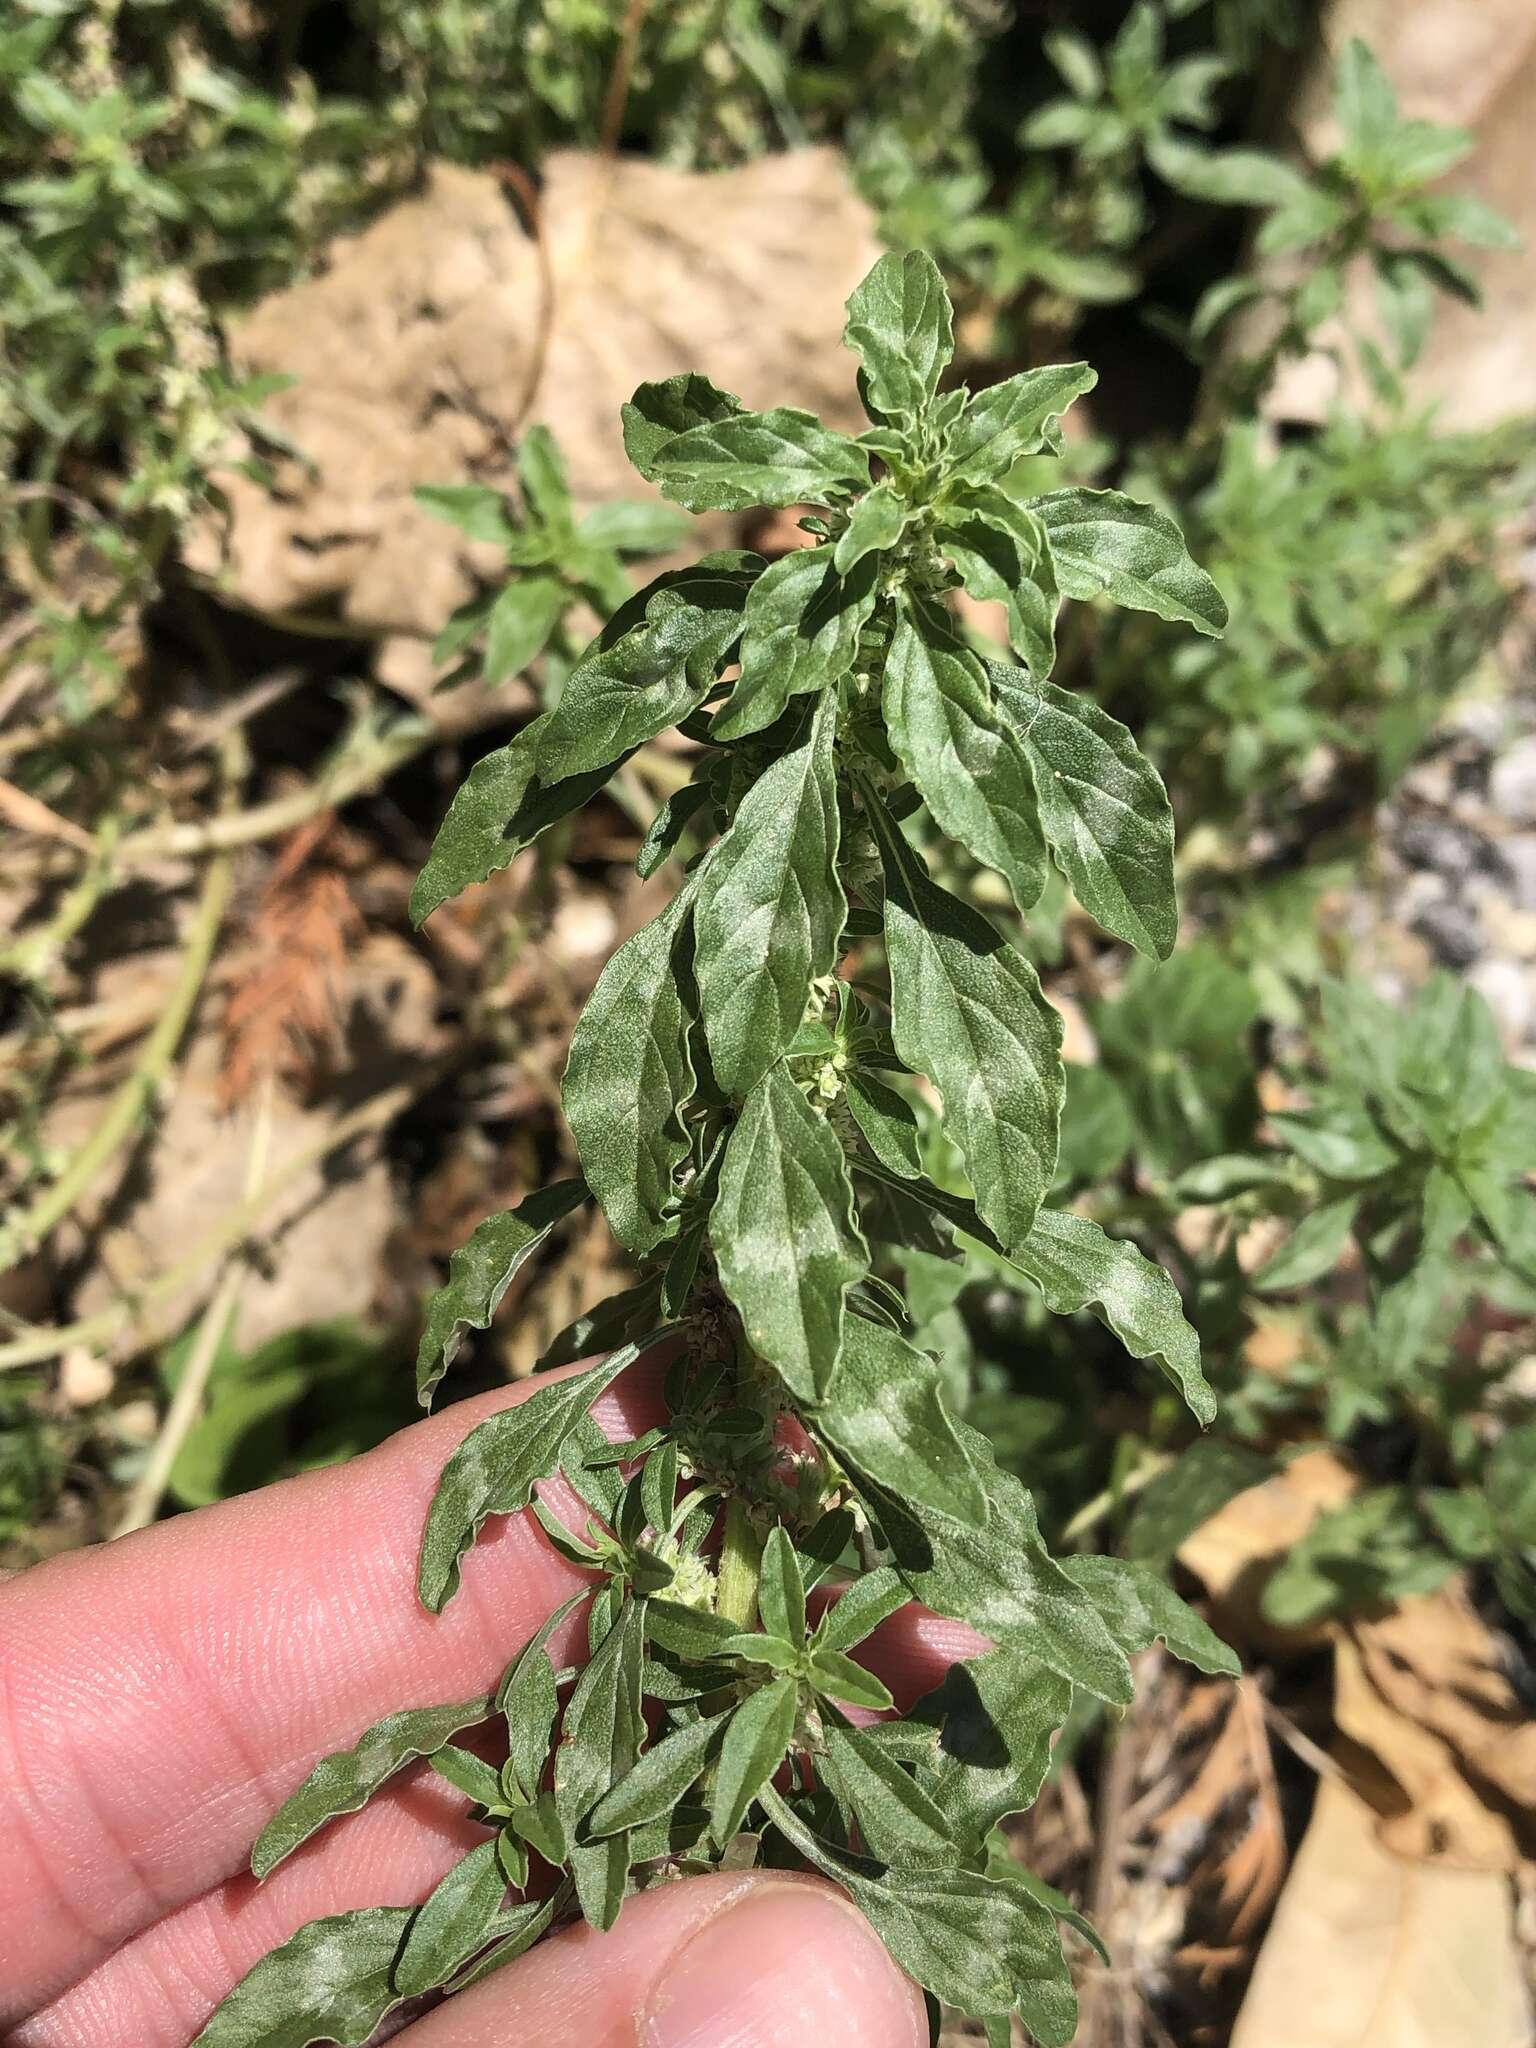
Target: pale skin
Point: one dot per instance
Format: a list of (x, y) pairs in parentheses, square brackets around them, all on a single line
[(161, 1695)]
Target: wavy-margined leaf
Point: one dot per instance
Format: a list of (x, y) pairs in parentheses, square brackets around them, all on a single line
[(600, 1741), (897, 1819), (626, 690), (1105, 543), (480, 1272), (800, 632), (743, 459), (1002, 555), (1076, 1266), (859, 1610), (501, 807), (1001, 1578), (658, 1781), (963, 754), (966, 1010), (332, 1981), (1141, 1608), (658, 413), (1014, 418), (998, 1714), (754, 1745), (972, 1941), (899, 322), (1103, 806), (346, 1780), (877, 521), (886, 1417), (627, 1077), (495, 1469), (785, 1234), (770, 907), (515, 1931), (456, 1921)]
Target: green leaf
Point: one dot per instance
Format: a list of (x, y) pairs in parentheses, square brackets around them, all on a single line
[(515, 1932), (475, 509), (469, 1774), (1363, 98), (785, 1235), (661, 1777), (839, 1678), (1103, 807), (966, 1010), (770, 908), (1104, 542), (1014, 418), (631, 528), (745, 459), (885, 1415), (886, 1122), (669, 825), (528, 1698), (877, 521), (521, 620), (996, 1716), (899, 323), (800, 632), (974, 1943), (1000, 551), (456, 1922), (1200, 1481), (1141, 1608), (501, 807), (858, 1611), (781, 1591), (600, 1742), (1076, 1266), (627, 1077), (658, 413), (332, 1981), (480, 1272), (629, 688), (346, 1780), (1002, 1580), (755, 1744), (897, 1819), (1313, 1248), (546, 487), (495, 1469), (963, 755)]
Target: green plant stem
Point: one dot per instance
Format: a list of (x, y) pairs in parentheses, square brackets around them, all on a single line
[(123, 1113), (143, 1503), (1093, 1512), (226, 1230), (34, 953), (741, 1560)]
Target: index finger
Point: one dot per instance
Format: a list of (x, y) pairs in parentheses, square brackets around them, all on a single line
[(161, 1695)]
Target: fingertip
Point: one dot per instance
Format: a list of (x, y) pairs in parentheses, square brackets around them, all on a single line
[(783, 1963)]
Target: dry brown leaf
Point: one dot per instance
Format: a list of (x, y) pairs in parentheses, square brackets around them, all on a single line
[(1369, 1951), (1421, 1692), (1237, 1769), (1234, 1552)]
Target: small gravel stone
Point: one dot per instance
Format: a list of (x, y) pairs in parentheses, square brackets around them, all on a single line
[(1435, 843), (1512, 784), (1517, 858), (1510, 992), (1452, 931)]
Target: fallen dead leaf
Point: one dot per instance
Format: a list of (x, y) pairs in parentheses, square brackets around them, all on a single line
[(1234, 1552), (1367, 1950), (1420, 1693)]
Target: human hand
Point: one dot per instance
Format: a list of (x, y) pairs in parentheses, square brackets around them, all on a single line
[(160, 1696)]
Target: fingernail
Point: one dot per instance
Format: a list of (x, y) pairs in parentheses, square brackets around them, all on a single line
[(783, 1966)]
